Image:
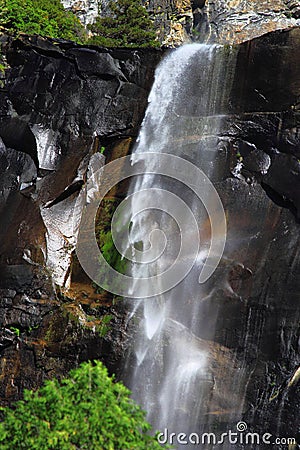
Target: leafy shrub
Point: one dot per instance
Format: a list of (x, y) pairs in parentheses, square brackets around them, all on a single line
[(42, 17), (128, 26), (87, 410), (110, 253)]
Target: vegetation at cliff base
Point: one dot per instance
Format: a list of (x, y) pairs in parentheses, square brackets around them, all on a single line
[(129, 25), (42, 17), (87, 410)]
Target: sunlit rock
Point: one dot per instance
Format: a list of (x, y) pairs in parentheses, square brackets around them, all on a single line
[(85, 10)]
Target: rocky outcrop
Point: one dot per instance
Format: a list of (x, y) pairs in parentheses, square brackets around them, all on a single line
[(222, 21), (61, 112), (173, 20), (238, 21), (270, 122), (60, 104), (85, 10)]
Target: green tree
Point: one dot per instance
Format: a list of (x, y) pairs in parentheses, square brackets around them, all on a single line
[(128, 25), (88, 410), (42, 17)]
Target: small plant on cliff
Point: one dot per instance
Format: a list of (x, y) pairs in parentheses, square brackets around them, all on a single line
[(2, 66), (128, 26), (42, 17), (15, 330), (87, 410)]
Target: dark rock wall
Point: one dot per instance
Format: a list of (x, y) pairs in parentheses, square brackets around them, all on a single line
[(266, 95), (259, 183), (56, 100), (59, 103)]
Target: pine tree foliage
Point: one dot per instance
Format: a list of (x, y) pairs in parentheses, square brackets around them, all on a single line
[(129, 25), (88, 410), (42, 17)]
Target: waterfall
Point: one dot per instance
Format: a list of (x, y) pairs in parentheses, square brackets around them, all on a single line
[(170, 352)]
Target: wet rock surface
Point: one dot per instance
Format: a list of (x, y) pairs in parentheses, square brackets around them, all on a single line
[(250, 306), (57, 98), (257, 311), (59, 104), (265, 134), (237, 21)]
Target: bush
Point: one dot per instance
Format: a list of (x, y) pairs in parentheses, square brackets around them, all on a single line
[(42, 17), (87, 410), (128, 26)]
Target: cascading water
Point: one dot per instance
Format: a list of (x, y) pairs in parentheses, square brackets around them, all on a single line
[(169, 366)]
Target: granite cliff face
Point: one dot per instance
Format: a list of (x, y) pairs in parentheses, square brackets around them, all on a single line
[(59, 104), (223, 21), (259, 183), (240, 20), (85, 10)]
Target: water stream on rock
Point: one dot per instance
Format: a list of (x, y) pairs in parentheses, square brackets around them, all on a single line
[(174, 368)]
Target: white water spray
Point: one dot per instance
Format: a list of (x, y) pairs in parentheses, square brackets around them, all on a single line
[(168, 365)]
